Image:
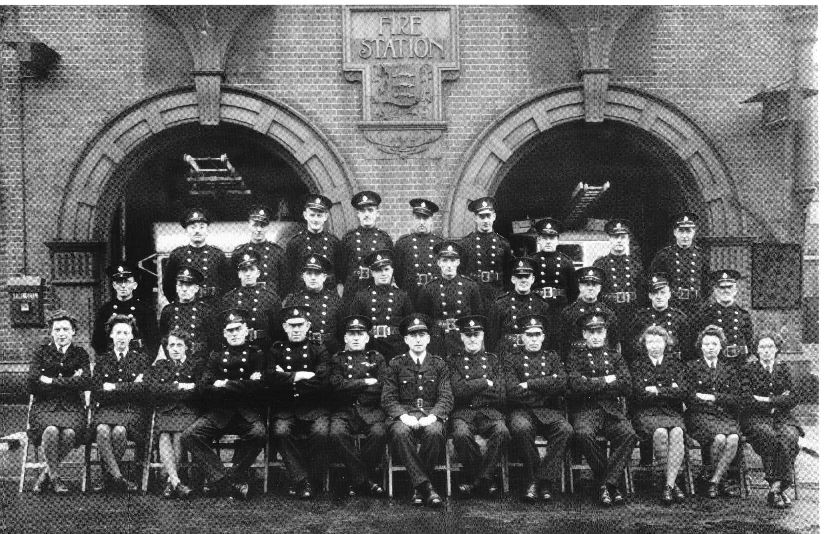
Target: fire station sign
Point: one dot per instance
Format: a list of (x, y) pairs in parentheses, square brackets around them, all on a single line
[(401, 54)]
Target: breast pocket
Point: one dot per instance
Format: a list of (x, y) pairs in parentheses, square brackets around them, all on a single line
[(407, 389), (430, 388)]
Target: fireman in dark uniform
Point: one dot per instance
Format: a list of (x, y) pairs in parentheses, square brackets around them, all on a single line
[(536, 382), (660, 313), (555, 274), (723, 311), (590, 284), (418, 399), (271, 263), (598, 378), (487, 253), (447, 298), (415, 259), (326, 308), (209, 260), (359, 242), (384, 304), (311, 240), (356, 377), (302, 408), (189, 314), (124, 282), (505, 334), (687, 266), (480, 397), (623, 280), (232, 385), (261, 302)]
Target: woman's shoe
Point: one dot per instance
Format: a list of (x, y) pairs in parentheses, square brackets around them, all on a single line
[(168, 491), (667, 495), (713, 490), (678, 494)]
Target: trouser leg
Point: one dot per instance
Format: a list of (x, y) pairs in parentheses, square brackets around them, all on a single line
[(558, 434), (498, 437), (252, 438), (466, 448), (623, 439), (523, 435), (198, 439), (403, 445), (284, 434)]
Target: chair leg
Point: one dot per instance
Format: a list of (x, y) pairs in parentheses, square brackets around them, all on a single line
[(568, 462), (449, 470), (628, 481), (505, 472), (23, 462), (689, 473), (743, 474), (389, 471)]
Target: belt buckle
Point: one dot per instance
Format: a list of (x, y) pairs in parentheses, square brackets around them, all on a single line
[(363, 273), (315, 337), (252, 335), (484, 276), (423, 278), (732, 351), (381, 330), (419, 403), (450, 325), (548, 292), (622, 297)]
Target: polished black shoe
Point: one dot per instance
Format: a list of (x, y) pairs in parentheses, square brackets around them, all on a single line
[(604, 496), (433, 499), (492, 489), (292, 490), (375, 489), (122, 485), (168, 491), (667, 495), (417, 499), (544, 492), (532, 493), (713, 490), (240, 491), (59, 487), (465, 491), (787, 500), (42, 484), (729, 489), (305, 489), (678, 494), (183, 491)]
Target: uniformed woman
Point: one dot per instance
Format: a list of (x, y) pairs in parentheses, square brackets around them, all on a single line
[(767, 420), (658, 394), (713, 397), (171, 383), (119, 415), (58, 374)]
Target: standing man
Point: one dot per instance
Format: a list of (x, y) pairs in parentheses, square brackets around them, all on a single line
[(505, 334), (555, 274), (261, 302), (414, 254), (598, 378), (686, 265), (232, 384), (302, 409), (447, 298), (359, 242), (312, 240), (660, 313), (723, 311), (537, 381), (271, 262), (480, 398), (124, 282), (356, 377), (189, 314), (324, 303), (211, 261), (384, 304), (623, 275), (418, 399), (487, 253), (590, 284)]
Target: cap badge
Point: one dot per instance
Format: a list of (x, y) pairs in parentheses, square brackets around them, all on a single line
[(364, 198), (423, 205), (472, 323)]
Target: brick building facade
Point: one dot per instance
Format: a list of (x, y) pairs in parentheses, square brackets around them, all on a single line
[(98, 103)]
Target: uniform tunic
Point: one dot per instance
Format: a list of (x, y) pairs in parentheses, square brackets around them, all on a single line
[(60, 403), (211, 261), (557, 273), (385, 306), (125, 406), (271, 265), (570, 335), (415, 262), (650, 411), (302, 245), (707, 419), (355, 245), (264, 307), (504, 333), (671, 319), (622, 287), (688, 270), (736, 322), (488, 255), (196, 318), (175, 409), (326, 314), (444, 301), (144, 317)]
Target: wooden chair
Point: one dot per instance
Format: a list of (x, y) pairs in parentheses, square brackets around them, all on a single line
[(392, 468)]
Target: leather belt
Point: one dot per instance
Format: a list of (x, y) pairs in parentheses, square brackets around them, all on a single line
[(487, 276), (620, 297), (363, 273), (687, 294), (318, 337), (423, 278), (515, 339), (732, 351), (551, 292), (384, 330), (448, 325)]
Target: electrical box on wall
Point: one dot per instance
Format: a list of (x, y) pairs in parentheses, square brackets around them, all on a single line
[(26, 295)]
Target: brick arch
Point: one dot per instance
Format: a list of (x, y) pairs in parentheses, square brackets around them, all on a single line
[(486, 163), (86, 210)]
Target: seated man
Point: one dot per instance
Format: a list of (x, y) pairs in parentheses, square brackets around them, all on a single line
[(418, 399), (232, 383), (302, 406), (356, 377), (480, 396), (598, 377), (536, 382)]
